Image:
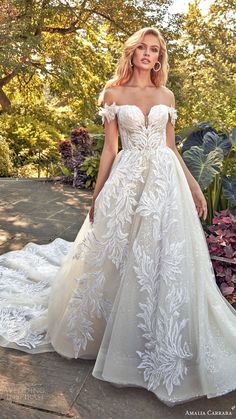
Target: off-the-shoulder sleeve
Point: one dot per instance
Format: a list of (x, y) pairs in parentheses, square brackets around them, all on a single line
[(173, 115), (108, 111)]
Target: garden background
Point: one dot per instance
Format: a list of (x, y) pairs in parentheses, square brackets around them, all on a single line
[(56, 55)]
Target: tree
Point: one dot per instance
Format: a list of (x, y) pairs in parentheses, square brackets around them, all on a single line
[(71, 45), (205, 66)]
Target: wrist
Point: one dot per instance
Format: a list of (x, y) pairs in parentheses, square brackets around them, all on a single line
[(194, 185)]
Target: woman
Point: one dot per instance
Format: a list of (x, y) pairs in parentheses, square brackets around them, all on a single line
[(136, 290)]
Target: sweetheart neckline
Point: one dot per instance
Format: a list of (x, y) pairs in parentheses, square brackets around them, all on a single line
[(137, 107), (144, 114), (127, 104)]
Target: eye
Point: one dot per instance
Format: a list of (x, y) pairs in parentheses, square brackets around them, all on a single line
[(155, 49), (140, 46)]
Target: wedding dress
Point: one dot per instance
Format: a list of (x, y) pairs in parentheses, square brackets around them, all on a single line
[(136, 289)]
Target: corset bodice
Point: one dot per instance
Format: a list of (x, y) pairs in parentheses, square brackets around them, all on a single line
[(134, 132)]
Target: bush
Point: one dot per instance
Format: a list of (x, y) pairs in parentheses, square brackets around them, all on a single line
[(30, 136), (74, 151), (221, 240), (210, 157), (6, 167)]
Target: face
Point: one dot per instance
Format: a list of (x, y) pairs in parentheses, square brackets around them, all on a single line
[(149, 49)]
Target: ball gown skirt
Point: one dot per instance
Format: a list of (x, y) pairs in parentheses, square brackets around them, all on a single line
[(136, 290)]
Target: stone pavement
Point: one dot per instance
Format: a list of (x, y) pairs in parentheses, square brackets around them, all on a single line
[(47, 385)]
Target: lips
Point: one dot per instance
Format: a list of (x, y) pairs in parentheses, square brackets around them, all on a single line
[(145, 60)]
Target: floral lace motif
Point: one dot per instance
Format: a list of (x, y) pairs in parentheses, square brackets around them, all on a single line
[(108, 111), (116, 208), (164, 359), (165, 353), (87, 300), (173, 115), (25, 279), (15, 325)]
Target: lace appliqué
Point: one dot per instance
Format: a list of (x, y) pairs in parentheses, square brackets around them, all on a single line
[(15, 325), (173, 115), (117, 209), (164, 359), (165, 353), (25, 279), (108, 111), (87, 299)]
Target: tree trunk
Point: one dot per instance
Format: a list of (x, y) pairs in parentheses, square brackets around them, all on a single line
[(39, 163), (4, 101)]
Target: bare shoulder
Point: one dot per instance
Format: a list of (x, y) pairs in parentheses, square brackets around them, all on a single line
[(111, 95), (169, 95)]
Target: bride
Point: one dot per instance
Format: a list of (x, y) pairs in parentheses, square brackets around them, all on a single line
[(136, 290)]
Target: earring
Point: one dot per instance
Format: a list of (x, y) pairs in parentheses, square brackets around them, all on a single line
[(131, 65), (157, 69)]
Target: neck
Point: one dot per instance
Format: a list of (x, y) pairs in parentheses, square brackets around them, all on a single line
[(140, 78)]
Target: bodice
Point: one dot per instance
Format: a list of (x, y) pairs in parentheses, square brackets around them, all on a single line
[(134, 132)]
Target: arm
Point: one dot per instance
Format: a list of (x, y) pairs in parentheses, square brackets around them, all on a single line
[(196, 191), (109, 152)]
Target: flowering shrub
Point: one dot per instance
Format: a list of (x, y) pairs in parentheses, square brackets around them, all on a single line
[(73, 152), (80, 137), (65, 148), (221, 241)]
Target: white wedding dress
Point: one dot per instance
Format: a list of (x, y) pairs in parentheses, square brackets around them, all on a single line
[(136, 289)]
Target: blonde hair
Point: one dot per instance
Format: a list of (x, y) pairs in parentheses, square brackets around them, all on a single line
[(124, 71)]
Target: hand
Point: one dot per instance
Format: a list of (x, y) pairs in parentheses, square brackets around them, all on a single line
[(200, 201), (91, 213)]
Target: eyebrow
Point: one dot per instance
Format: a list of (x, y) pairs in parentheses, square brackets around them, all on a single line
[(151, 45)]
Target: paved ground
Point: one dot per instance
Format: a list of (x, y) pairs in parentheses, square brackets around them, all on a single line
[(46, 385)]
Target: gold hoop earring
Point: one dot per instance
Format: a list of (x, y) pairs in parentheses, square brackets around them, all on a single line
[(157, 69)]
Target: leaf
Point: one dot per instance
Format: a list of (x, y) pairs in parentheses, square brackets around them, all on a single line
[(212, 141), (195, 138), (229, 189), (89, 171), (233, 136), (178, 139), (203, 166), (226, 290)]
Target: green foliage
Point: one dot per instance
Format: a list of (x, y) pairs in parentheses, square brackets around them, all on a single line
[(203, 77), (91, 163), (56, 56), (203, 166), (52, 66), (210, 157), (31, 135), (5, 158), (90, 167), (71, 48)]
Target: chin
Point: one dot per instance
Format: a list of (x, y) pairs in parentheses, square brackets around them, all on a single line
[(148, 66)]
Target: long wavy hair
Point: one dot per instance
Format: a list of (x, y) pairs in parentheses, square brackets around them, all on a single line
[(123, 70)]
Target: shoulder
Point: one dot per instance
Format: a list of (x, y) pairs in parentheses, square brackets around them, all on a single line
[(111, 95), (169, 95), (108, 108)]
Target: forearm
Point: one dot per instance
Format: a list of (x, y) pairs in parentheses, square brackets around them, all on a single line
[(190, 178), (106, 161)]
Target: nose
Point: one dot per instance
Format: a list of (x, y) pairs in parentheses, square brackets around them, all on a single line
[(146, 52)]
